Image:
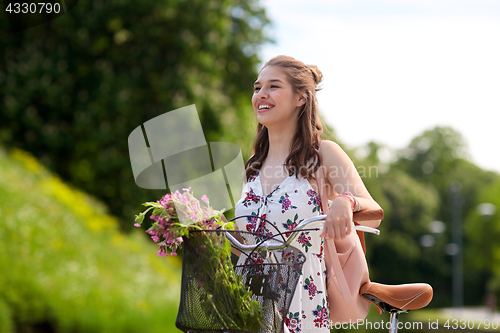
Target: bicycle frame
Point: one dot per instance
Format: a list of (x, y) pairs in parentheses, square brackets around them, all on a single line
[(312, 223)]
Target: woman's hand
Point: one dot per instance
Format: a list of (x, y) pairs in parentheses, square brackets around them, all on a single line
[(338, 222)]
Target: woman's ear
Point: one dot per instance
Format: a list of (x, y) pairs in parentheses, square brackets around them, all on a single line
[(302, 101)]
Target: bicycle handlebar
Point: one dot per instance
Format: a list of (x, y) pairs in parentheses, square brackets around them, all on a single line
[(272, 244)]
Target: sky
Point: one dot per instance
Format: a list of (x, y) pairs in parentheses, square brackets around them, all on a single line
[(395, 68)]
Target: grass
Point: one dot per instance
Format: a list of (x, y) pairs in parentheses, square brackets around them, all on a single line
[(65, 264)]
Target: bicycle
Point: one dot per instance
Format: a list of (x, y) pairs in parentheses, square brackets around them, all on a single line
[(271, 263)]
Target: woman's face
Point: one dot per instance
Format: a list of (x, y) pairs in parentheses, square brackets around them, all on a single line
[(273, 100)]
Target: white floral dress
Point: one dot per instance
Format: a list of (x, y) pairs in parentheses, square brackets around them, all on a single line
[(293, 201)]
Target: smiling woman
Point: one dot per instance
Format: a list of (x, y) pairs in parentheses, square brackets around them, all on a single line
[(282, 187)]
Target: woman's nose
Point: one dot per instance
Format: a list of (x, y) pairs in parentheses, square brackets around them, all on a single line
[(262, 94)]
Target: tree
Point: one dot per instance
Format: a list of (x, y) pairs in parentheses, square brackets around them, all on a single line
[(416, 191), (74, 88), (482, 250)]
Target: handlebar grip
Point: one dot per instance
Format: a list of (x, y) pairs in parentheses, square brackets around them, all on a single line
[(368, 215)]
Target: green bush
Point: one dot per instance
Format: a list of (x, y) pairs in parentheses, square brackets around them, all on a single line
[(65, 263)]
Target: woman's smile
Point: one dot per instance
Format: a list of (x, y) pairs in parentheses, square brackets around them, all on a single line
[(264, 107)]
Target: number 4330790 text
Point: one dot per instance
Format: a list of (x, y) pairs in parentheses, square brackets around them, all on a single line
[(40, 7)]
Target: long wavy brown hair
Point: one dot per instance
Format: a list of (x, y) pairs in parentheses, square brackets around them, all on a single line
[(305, 143)]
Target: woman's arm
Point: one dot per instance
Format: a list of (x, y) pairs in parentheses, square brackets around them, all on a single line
[(341, 176)]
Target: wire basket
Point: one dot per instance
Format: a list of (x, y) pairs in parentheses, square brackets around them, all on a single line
[(271, 276)]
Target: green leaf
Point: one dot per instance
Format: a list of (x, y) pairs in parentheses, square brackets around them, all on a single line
[(139, 218), (152, 204), (158, 211)]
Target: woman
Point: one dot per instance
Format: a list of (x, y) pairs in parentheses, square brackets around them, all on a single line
[(281, 186)]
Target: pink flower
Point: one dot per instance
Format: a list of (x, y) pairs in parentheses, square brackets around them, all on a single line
[(137, 225), (175, 206), (160, 253), (323, 314)]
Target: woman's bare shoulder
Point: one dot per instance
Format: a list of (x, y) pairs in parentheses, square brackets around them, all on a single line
[(328, 149), (332, 155)]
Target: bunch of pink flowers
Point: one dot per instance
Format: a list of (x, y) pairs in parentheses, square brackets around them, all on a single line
[(175, 215)]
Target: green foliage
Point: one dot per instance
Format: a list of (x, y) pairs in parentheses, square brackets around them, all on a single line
[(73, 89), (414, 190), (411, 206), (439, 158), (413, 203), (483, 232), (431, 155), (6, 324), (66, 266)]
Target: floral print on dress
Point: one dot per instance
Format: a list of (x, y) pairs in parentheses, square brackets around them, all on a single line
[(294, 258), (305, 240), (290, 225), (321, 315), (252, 222), (311, 287), (250, 198), (292, 321), (254, 176), (254, 265), (291, 202), (258, 226), (315, 200), (286, 204), (321, 250)]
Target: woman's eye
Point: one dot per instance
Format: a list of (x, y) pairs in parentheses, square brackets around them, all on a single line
[(256, 88), (274, 87)]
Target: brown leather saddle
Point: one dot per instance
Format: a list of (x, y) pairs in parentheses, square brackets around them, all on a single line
[(397, 298)]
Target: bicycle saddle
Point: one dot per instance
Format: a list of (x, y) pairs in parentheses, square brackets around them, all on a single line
[(397, 298)]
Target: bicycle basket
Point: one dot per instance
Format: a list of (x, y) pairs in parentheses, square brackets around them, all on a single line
[(272, 280), (272, 276)]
